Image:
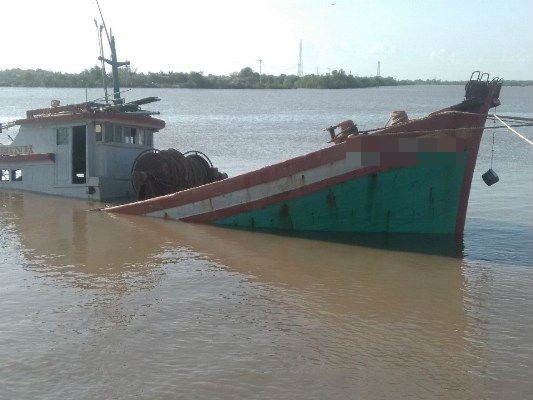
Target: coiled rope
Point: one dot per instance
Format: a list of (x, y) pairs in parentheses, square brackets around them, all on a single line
[(156, 173)]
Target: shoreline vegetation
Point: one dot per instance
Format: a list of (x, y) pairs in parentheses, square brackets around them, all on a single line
[(245, 79)]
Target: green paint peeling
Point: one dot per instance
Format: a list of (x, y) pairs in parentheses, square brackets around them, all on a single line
[(419, 199)]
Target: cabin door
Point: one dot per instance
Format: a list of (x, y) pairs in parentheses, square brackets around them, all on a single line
[(79, 155), (62, 158)]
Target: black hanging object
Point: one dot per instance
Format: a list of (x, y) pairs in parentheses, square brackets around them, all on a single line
[(490, 177)]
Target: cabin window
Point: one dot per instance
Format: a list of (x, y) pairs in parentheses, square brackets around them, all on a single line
[(16, 174), (147, 138), (62, 136), (5, 175), (108, 132), (122, 134), (98, 132), (130, 135), (117, 137)]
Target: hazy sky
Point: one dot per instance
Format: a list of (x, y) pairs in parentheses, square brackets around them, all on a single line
[(412, 39)]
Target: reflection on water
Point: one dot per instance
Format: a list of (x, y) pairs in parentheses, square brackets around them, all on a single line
[(61, 238), (437, 244), (98, 305)]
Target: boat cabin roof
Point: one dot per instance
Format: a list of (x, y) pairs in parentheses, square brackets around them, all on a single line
[(126, 114)]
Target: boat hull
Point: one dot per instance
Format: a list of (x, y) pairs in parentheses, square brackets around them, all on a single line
[(408, 179), (414, 199)]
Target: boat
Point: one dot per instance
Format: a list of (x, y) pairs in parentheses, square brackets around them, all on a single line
[(411, 176)]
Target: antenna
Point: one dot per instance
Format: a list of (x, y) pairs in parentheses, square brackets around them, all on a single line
[(113, 62), (300, 64)]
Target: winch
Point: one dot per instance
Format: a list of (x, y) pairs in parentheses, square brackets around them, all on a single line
[(160, 172)]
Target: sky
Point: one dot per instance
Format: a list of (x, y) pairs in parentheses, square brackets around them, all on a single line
[(411, 38)]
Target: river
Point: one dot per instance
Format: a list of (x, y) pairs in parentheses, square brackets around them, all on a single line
[(112, 306)]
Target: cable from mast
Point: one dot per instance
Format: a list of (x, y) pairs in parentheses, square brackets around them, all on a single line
[(115, 64), (104, 75), (103, 22)]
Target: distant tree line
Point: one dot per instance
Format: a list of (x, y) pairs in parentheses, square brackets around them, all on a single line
[(441, 82), (245, 79)]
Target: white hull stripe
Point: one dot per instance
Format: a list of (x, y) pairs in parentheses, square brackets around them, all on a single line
[(261, 191)]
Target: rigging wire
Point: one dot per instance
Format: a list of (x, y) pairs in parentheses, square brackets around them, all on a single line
[(512, 130), (493, 135)]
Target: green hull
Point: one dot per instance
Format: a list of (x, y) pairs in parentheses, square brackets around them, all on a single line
[(417, 199)]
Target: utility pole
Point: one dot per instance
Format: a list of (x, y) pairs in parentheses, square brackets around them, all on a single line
[(300, 64), (260, 69)]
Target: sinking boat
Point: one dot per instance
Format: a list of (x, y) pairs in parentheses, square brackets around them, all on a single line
[(412, 176)]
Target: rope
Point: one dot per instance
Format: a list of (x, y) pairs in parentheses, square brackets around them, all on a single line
[(170, 171), (512, 130), (493, 134), (505, 117), (438, 130)]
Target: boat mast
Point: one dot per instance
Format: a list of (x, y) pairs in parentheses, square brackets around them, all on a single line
[(113, 62)]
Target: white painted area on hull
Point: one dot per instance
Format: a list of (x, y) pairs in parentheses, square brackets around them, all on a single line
[(261, 191)]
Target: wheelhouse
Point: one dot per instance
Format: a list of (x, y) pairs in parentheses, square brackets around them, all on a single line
[(83, 150)]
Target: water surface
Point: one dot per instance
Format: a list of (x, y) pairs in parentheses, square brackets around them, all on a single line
[(108, 306)]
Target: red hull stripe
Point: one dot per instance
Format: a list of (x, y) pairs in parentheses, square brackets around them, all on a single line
[(28, 157), (473, 148), (285, 196), (474, 142)]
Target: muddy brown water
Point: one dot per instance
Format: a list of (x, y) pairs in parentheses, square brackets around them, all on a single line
[(95, 305)]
